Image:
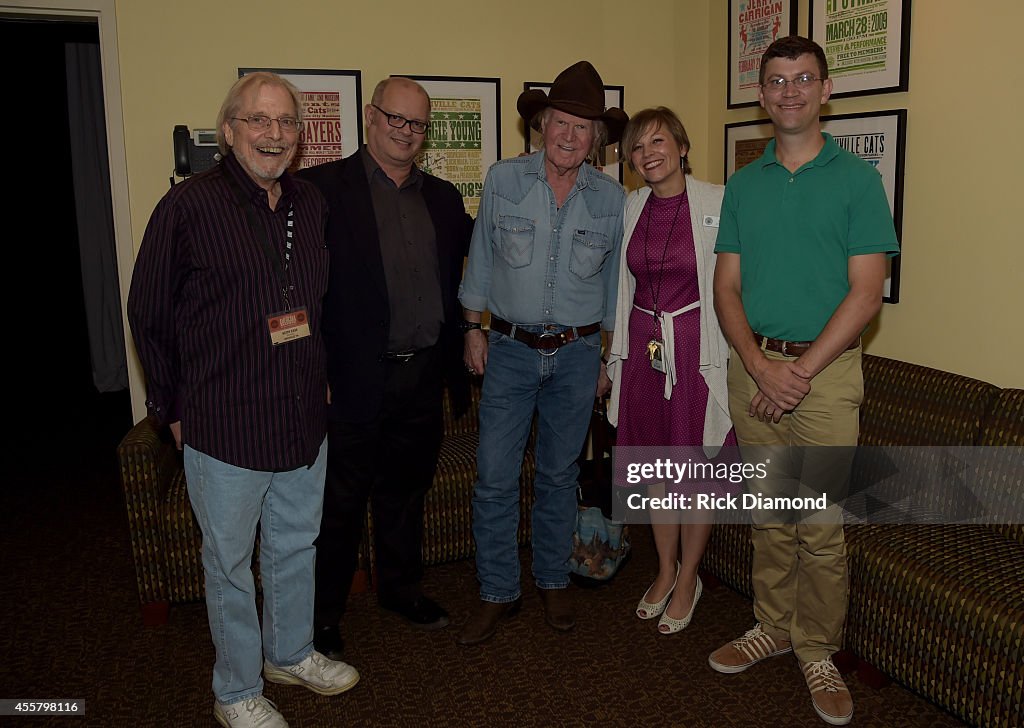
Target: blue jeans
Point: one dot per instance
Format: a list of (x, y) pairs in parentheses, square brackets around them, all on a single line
[(560, 388), (229, 502)]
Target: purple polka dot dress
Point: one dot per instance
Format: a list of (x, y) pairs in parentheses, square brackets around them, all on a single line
[(661, 257)]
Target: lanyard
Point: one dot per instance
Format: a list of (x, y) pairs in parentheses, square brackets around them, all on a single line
[(656, 293), (260, 230)]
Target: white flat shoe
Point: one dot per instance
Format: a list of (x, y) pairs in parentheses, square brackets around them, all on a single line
[(671, 625), (649, 610)]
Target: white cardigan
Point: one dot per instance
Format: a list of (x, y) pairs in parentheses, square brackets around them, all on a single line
[(705, 203)]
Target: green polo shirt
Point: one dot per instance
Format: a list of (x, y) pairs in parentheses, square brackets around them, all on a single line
[(795, 231)]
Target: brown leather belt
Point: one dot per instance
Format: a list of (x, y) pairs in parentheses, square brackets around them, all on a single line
[(791, 348), (549, 340)]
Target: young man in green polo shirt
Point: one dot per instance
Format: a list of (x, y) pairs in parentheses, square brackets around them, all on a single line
[(805, 231)]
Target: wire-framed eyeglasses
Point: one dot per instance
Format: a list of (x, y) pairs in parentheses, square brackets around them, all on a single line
[(261, 122), (801, 82)]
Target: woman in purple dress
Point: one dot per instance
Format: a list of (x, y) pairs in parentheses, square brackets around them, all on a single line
[(669, 362)]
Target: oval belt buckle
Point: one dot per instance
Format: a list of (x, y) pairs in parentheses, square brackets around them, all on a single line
[(543, 350)]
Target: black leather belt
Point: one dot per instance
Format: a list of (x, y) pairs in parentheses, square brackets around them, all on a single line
[(407, 355), (547, 340)]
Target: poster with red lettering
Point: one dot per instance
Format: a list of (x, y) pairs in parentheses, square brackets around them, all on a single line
[(753, 26), (331, 113)]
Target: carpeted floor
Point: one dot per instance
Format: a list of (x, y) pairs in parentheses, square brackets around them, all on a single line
[(69, 628)]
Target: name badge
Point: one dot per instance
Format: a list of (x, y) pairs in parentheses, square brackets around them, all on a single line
[(288, 326), (711, 220)]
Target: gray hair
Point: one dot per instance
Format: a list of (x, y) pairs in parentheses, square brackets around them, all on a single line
[(233, 102)]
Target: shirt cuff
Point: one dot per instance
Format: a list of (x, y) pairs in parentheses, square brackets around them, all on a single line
[(473, 302)]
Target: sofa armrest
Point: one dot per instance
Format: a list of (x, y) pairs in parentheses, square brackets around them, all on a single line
[(148, 465), (467, 422)]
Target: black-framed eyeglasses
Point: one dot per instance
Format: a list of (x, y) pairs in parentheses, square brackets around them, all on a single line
[(776, 85), (398, 121), (261, 122)]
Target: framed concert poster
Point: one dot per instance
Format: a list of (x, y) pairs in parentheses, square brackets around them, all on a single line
[(753, 26), (331, 113), (867, 44), (879, 138), (744, 142), (464, 138)]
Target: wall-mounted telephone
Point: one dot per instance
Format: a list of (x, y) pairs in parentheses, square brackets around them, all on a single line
[(194, 151)]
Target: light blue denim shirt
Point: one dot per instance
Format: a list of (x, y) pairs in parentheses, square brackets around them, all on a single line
[(533, 263)]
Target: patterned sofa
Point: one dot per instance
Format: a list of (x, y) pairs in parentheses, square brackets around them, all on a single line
[(940, 608), (166, 540)]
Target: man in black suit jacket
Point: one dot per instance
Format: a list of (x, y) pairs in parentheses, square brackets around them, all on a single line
[(397, 239)]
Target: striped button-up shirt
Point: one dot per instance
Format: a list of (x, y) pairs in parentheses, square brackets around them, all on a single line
[(201, 292)]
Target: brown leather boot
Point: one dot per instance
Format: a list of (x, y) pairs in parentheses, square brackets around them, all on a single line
[(482, 625), (558, 609)]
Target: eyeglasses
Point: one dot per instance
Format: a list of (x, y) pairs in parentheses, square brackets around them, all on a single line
[(776, 85), (398, 121), (261, 122)]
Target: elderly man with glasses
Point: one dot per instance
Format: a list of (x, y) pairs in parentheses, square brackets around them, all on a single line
[(397, 237), (225, 309)]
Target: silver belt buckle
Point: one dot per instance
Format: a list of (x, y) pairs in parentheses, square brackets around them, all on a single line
[(544, 351)]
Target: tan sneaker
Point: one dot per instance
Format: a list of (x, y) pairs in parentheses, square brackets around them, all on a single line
[(755, 645), (831, 698)]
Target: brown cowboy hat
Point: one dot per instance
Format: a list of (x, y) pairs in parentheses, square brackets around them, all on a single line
[(579, 91)]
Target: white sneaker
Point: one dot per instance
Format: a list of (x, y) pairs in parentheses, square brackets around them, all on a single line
[(316, 672), (255, 712)]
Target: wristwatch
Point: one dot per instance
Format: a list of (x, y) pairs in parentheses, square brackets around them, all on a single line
[(469, 325)]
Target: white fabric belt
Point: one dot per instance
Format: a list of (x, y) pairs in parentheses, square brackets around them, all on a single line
[(668, 329)]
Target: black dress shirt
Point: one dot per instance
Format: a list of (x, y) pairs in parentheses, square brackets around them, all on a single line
[(201, 292), (409, 251), (357, 312)]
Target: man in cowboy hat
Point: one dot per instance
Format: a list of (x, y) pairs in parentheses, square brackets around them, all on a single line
[(543, 261)]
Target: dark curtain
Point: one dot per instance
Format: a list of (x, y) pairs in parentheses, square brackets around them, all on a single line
[(95, 217)]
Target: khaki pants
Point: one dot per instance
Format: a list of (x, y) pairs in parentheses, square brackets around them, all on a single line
[(799, 572)]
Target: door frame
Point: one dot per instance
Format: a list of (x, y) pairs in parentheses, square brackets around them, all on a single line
[(103, 11)]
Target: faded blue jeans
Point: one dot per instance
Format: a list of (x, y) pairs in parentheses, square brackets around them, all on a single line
[(560, 388), (229, 502)]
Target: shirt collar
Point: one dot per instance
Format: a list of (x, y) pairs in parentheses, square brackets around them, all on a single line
[(827, 153), (289, 190), (371, 168)]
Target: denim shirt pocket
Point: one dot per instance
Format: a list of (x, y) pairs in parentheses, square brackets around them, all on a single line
[(589, 249), (515, 240)]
